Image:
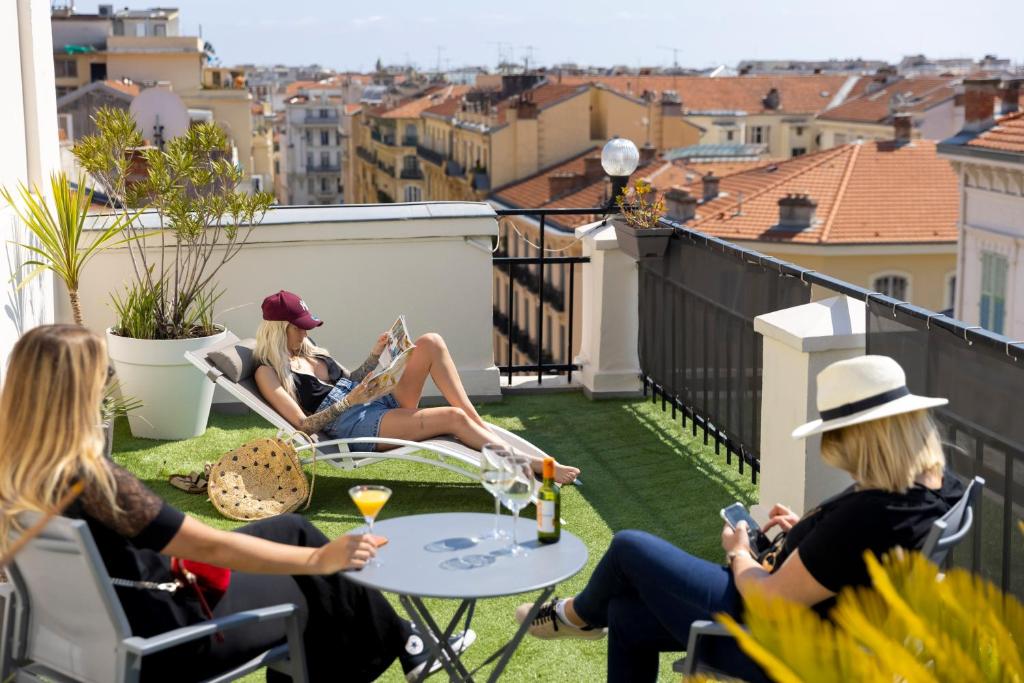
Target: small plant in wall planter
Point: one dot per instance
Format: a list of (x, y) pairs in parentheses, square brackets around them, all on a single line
[(195, 220), (637, 226)]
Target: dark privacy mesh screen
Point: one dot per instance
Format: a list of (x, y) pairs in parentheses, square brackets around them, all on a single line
[(698, 349), (983, 423)]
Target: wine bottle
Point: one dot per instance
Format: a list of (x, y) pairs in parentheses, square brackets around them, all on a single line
[(549, 506)]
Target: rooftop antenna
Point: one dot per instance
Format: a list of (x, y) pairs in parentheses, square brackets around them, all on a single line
[(529, 56), (501, 53), (675, 55), (440, 49)]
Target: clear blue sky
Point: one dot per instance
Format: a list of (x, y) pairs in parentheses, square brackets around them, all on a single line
[(351, 35)]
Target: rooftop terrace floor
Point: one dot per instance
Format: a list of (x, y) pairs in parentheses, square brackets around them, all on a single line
[(639, 468)]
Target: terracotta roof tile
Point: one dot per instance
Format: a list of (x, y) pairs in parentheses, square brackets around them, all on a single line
[(414, 107), (543, 96), (919, 94), (125, 87), (797, 94), (1007, 135), (873, 192)]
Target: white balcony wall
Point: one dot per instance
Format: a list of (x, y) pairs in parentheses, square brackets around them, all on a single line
[(28, 138), (358, 268)]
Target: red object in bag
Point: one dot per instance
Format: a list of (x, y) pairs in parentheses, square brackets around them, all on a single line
[(208, 581)]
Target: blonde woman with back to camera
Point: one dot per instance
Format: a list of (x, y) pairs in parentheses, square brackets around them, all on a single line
[(52, 439), (645, 592), (315, 394)]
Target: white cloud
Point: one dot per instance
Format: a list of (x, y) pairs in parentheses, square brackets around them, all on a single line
[(360, 22)]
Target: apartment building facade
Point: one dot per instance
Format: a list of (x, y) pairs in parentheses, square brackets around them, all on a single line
[(313, 147), (987, 156)]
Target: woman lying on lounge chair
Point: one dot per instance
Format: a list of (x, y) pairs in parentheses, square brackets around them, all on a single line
[(310, 390)]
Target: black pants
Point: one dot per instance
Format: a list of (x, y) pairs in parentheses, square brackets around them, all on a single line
[(350, 633)]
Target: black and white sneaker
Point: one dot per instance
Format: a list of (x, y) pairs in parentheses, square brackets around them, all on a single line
[(547, 625), (417, 652)]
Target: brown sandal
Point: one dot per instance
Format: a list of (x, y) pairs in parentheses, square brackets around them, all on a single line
[(193, 482)]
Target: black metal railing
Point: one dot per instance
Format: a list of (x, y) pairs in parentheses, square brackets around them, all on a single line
[(412, 173), (430, 155), (410, 141), (387, 168), (518, 270), (366, 155), (700, 356), (329, 167), (454, 169)]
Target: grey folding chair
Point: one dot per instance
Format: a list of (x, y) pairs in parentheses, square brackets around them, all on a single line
[(946, 532), (64, 622)]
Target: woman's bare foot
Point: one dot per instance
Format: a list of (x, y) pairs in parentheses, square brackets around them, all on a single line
[(564, 474)]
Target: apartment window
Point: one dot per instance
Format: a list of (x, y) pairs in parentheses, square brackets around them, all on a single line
[(325, 137), (409, 163), (949, 301), (337, 138), (309, 137), (798, 151), (65, 68), (799, 131), (413, 194), (757, 135), (993, 291), (160, 30), (892, 285), (323, 113), (310, 185), (730, 135), (324, 185), (309, 159), (325, 159), (410, 133)]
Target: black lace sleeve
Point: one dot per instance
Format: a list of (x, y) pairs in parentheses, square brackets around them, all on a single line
[(144, 517)]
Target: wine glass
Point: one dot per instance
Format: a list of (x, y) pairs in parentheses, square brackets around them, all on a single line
[(495, 476), (518, 495), (370, 498)]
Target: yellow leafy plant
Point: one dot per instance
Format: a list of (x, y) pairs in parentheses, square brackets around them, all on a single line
[(641, 207), (912, 625)]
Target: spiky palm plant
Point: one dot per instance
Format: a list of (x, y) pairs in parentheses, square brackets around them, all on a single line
[(912, 625), (58, 223)]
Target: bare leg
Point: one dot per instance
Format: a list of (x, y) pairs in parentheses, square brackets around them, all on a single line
[(431, 358), (418, 424)]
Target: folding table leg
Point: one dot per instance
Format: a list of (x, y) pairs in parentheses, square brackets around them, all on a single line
[(511, 646), (440, 639)]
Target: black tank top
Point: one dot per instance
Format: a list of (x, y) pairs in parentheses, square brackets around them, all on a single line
[(310, 391)]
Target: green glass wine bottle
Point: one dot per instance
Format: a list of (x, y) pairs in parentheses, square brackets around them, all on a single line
[(549, 506)]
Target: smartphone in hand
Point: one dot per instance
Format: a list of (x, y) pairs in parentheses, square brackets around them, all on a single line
[(736, 513)]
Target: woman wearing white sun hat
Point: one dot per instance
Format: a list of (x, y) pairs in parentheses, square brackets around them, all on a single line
[(645, 592)]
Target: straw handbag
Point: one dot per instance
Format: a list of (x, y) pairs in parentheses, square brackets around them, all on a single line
[(259, 479)]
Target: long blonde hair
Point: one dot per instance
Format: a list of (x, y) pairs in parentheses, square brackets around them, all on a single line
[(50, 422), (272, 349), (888, 453)]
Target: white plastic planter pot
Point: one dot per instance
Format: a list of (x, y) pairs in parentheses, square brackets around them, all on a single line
[(175, 396)]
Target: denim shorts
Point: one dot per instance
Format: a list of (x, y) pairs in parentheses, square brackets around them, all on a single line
[(358, 421)]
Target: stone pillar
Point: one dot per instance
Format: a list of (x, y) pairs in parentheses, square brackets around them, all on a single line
[(611, 317), (799, 343)]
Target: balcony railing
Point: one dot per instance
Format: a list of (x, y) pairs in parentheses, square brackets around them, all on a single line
[(383, 137), (454, 169), (387, 168), (314, 118), (410, 141), (366, 155), (517, 269), (323, 168), (430, 155), (700, 356), (412, 173)]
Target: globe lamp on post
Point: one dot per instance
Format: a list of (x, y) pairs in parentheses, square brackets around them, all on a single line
[(619, 159)]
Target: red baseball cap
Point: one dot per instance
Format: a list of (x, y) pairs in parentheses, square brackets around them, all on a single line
[(290, 307)]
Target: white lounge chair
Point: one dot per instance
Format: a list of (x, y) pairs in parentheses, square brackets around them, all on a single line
[(230, 366)]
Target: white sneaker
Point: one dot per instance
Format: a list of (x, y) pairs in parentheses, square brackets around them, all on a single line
[(548, 626)]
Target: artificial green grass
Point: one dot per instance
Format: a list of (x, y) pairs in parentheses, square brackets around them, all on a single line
[(639, 468)]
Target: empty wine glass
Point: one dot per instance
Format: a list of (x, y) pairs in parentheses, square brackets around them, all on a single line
[(518, 495), (495, 476)]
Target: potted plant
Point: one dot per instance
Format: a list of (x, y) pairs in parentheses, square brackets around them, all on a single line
[(195, 221), (636, 227), (59, 247)]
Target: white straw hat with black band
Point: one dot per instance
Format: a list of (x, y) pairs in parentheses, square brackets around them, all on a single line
[(860, 390)]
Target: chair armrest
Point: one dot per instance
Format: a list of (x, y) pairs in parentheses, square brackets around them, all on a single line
[(148, 646), (698, 630)]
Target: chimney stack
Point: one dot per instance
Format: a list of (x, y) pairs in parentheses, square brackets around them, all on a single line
[(773, 100), (979, 103), (592, 169), (671, 105), (903, 127), (647, 154), (560, 184), (680, 205), (710, 182), (796, 211), (1010, 97)]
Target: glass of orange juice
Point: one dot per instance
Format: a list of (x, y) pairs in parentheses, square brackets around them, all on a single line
[(370, 499)]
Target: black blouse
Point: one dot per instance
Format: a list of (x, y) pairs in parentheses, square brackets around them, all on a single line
[(310, 390)]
